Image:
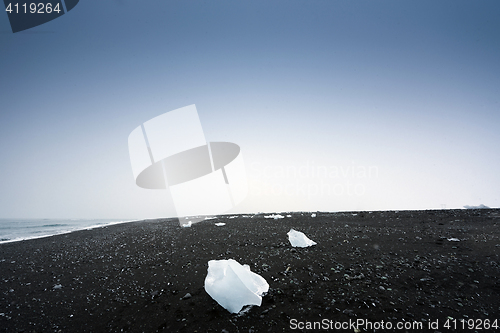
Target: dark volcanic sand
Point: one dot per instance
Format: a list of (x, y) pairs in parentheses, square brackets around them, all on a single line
[(391, 266)]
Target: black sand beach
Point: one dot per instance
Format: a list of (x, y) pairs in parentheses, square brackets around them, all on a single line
[(399, 267)]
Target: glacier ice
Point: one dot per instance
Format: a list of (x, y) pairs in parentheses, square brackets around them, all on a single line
[(274, 216), (481, 206), (233, 285), (187, 225), (298, 239)]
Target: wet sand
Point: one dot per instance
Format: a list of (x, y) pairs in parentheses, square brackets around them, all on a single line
[(392, 266)]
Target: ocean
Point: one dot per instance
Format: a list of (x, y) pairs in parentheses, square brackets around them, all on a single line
[(12, 230)]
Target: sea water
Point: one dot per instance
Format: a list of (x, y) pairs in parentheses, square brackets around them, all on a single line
[(12, 230)]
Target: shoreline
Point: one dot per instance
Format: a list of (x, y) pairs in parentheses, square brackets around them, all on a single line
[(383, 265), (220, 217), (70, 231)]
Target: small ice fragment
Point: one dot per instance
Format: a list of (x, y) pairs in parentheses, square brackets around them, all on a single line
[(298, 239), (57, 286), (233, 285), (453, 240), (313, 215), (187, 225), (210, 217), (481, 206), (274, 216), (220, 224), (289, 215)]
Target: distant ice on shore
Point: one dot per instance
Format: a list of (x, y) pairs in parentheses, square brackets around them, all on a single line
[(274, 216), (481, 206), (299, 239)]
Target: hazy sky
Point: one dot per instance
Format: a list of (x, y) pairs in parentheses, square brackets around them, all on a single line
[(336, 105)]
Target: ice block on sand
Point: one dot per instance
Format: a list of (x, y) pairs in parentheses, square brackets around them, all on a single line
[(298, 239), (233, 285)]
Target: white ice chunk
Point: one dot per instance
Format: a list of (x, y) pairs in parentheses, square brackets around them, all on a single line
[(298, 239), (289, 215), (481, 206), (453, 240), (274, 216), (313, 215), (220, 224), (187, 225), (233, 285)]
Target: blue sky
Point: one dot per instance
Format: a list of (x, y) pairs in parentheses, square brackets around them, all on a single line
[(407, 89)]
